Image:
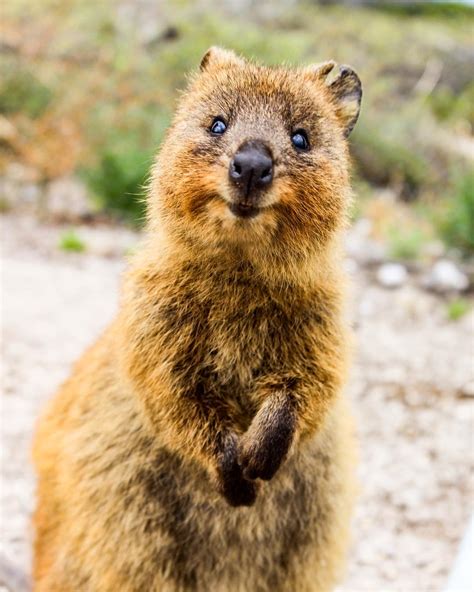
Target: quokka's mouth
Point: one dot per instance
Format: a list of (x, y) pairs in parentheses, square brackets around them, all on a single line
[(243, 210)]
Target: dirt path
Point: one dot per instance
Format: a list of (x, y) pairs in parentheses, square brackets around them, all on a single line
[(409, 387)]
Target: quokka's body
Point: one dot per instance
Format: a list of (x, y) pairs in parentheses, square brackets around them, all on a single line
[(203, 442)]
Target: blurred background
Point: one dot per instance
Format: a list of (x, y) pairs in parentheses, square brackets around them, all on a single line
[(87, 90)]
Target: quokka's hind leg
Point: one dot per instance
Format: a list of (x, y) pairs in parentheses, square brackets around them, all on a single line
[(335, 490)]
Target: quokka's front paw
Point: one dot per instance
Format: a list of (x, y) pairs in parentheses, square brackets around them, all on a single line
[(260, 460), (266, 443), (237, 490)]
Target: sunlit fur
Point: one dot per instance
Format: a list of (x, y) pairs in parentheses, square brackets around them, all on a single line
[(227, 329)]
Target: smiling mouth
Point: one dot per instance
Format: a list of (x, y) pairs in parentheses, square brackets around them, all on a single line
[(243, 210)]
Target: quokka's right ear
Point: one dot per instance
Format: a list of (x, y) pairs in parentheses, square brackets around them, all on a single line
[(346, 88), (219, 57)]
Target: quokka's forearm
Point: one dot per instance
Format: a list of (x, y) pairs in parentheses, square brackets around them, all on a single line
[(300, 401), (285, 416), (186, 422), (203, 431), (190, 420), (267, 441), (165, 379)]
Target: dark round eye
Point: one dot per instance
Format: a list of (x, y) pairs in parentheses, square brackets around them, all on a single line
[(218, 126), (299, 140)]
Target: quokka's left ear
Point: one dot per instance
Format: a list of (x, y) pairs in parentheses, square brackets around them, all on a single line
[(217, 56), (346, 89)]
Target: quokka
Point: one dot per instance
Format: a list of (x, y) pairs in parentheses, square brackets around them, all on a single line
[(203, 442)]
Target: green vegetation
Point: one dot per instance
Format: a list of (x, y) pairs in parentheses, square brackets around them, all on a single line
[(98, 101), (405, 244), (456, 221), (71, 242), (423, 8), (117, 175), (383, 158), (4, 205), (21, 91), (448, 105), (456, 309), (117, 183)]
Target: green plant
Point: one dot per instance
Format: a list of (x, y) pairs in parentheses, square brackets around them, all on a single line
[(117, 182), (71, 242), (383, 155), (20, 90), (455, 309), (456, 221), (362, 195), (438, 9), (5, 205), (405, 244), (107, 93), (447, 104), (124, 142)]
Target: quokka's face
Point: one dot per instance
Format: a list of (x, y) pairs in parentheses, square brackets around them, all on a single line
[(259, 153)]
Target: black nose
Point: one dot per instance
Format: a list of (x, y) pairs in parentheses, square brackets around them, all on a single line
[(251, 168)]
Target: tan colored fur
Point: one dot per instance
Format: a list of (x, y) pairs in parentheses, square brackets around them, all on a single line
[(229, 350)]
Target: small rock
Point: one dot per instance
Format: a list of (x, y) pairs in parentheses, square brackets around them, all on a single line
[(20, 173), (445, 276), (434, 250), (392, 275), (413, 304), (67, 199), (468, 269), (467, 390), (361, 247)]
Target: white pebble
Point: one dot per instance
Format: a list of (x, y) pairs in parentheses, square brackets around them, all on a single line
[(445, 276), (392, 275)]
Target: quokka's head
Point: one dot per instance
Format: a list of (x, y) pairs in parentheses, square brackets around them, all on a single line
[(257, 156)]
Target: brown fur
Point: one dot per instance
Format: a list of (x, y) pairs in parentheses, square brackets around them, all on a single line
[(203, 443)]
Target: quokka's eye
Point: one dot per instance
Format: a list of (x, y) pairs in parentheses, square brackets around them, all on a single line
[(218, 126), (299, 139)]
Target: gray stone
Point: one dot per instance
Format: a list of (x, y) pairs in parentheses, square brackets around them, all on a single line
[(392, 275), (67, 199), (445, 276), (467, 389)]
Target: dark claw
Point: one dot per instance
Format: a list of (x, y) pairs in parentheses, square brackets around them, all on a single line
[(237, 490)]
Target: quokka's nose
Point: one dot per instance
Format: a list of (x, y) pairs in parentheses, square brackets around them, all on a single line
[(251, 168)]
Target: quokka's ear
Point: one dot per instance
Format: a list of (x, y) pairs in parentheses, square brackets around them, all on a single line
[(346, 88), (216, 56)]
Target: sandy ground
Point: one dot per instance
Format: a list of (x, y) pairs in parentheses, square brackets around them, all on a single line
[(410, 386)]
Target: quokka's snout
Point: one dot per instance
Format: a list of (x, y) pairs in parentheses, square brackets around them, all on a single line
[(250, 173)]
